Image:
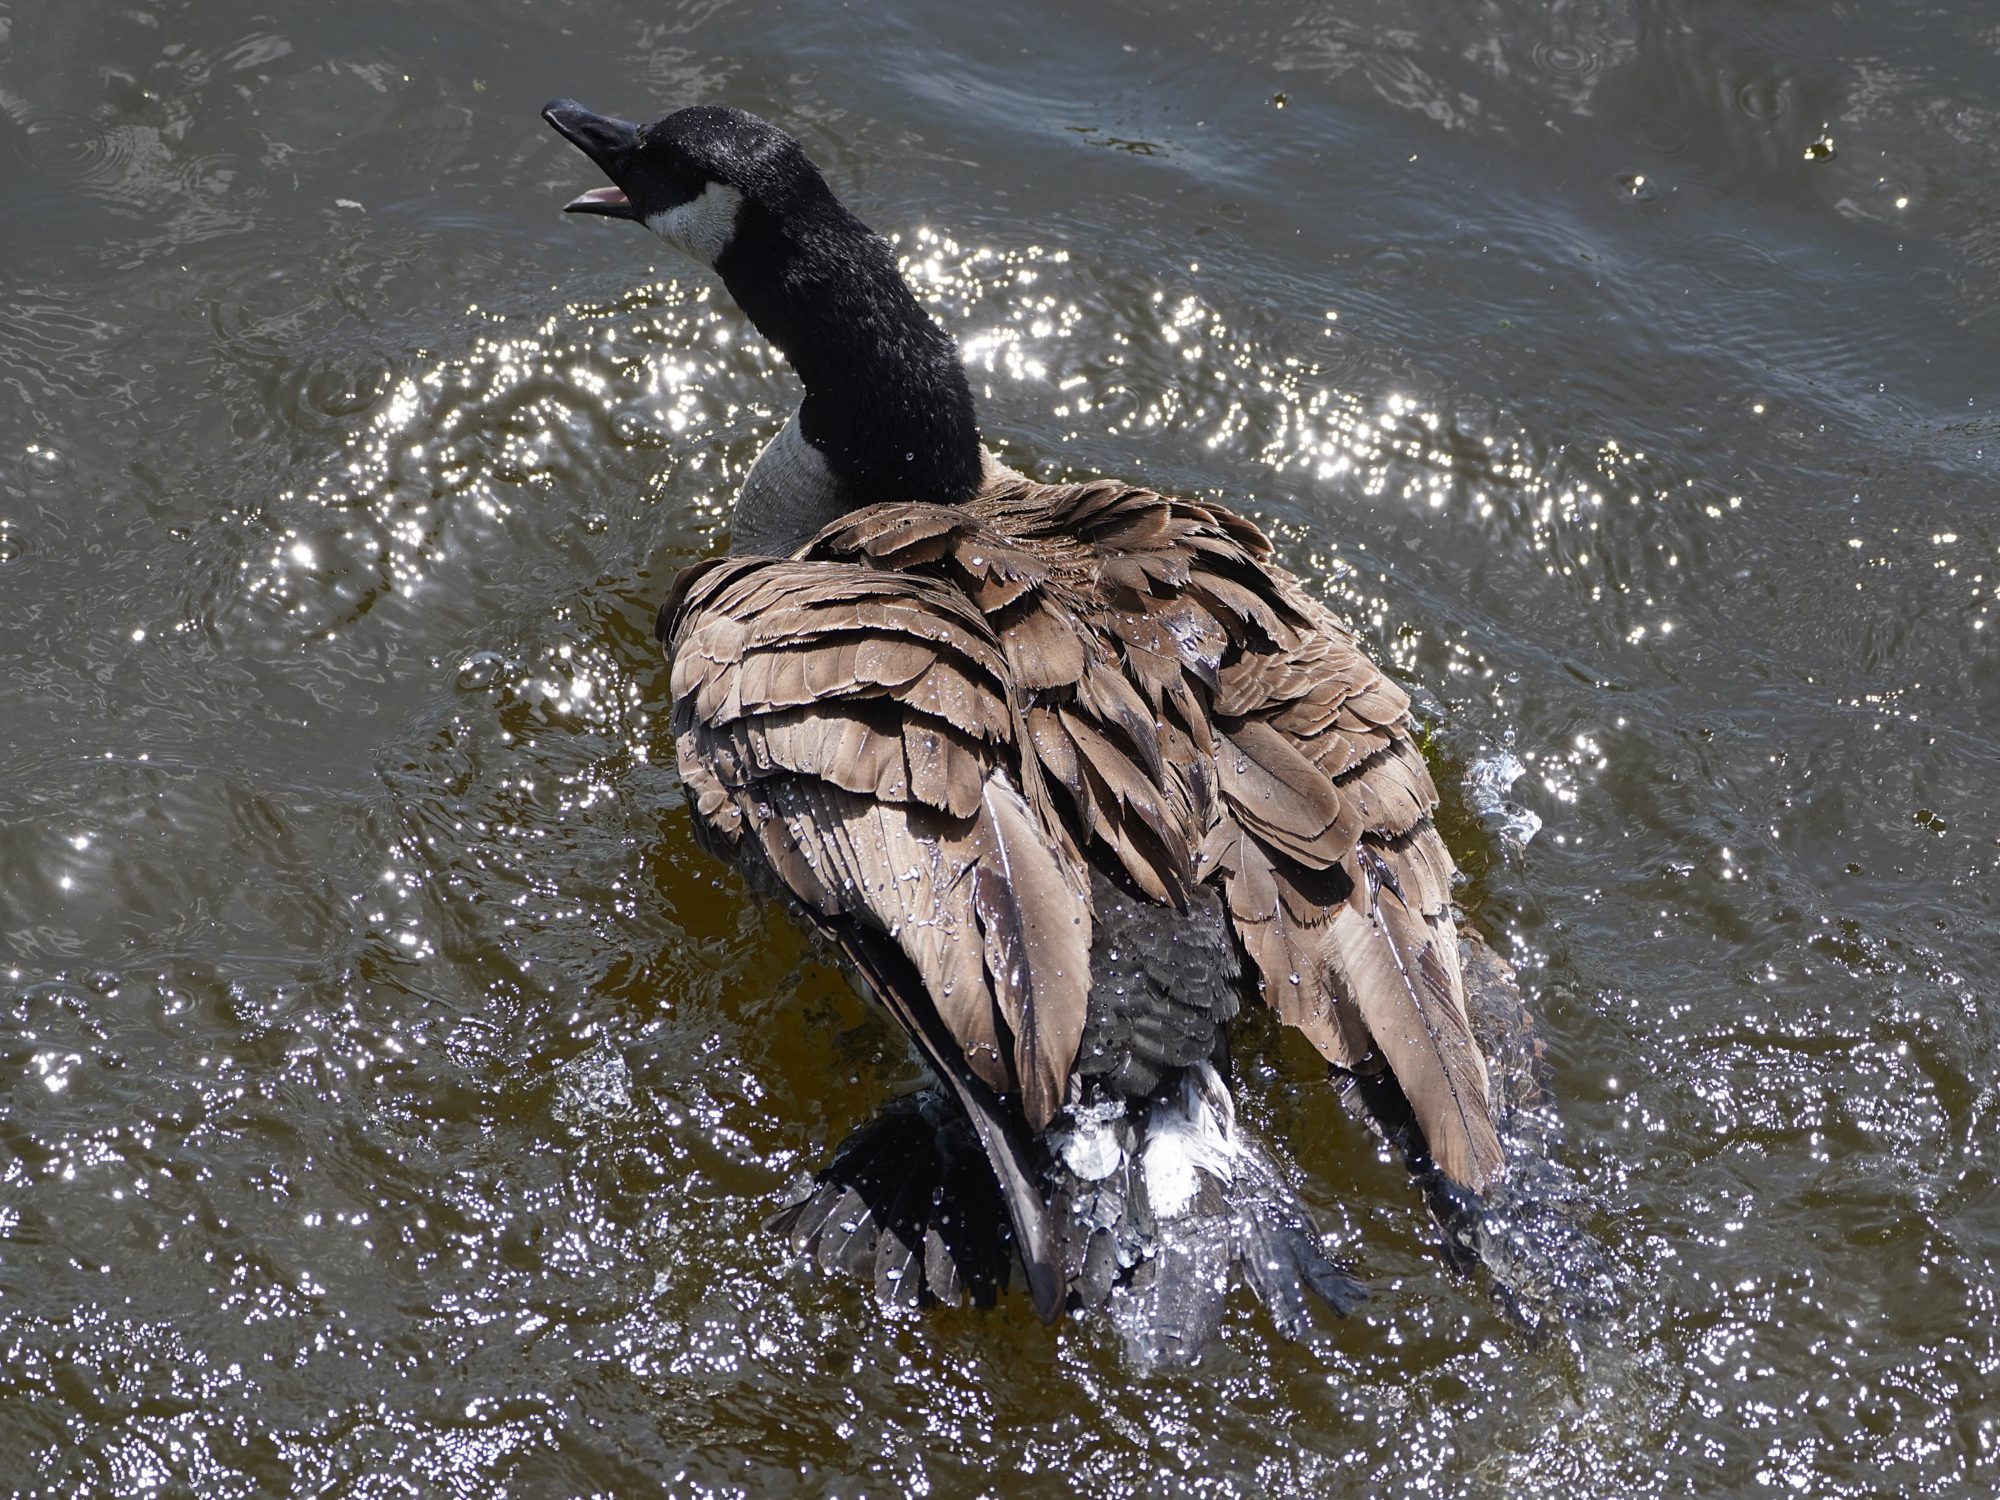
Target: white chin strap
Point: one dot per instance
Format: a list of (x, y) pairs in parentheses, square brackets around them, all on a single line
[(703, 226)]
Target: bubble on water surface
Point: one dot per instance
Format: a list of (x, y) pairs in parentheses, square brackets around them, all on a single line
[(480, 670), (43, 464)]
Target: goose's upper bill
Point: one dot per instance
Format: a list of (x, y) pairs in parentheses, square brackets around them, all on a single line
[(612, 144), (1068, 772)]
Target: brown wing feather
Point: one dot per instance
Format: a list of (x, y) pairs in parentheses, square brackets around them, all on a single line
[(1400, 964)]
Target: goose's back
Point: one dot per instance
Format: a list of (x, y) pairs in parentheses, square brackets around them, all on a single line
[(932, 724)]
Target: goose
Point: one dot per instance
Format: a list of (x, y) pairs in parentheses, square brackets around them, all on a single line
[(1070, 774)]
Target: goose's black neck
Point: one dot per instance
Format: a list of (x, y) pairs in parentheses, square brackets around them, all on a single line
[(887, 404)]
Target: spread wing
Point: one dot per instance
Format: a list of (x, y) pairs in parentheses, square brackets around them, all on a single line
[(1366, 964), (1196, 715), (858, 728), (854, 734)]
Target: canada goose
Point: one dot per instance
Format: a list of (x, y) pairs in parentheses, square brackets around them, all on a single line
[(1068, 772)]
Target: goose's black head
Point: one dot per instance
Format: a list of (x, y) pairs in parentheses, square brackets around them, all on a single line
[(695, 178)]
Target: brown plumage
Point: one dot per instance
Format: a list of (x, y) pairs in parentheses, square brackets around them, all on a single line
[(931, 720)]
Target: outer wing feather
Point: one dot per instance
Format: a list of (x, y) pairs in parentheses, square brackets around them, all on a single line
[(1401, 966)]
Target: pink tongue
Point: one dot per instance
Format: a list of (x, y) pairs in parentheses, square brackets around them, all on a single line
[(601, 195)]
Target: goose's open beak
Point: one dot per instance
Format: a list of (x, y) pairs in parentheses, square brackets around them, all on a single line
[(609, 143)]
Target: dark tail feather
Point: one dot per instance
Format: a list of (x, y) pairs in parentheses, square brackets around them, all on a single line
[(1174, 1304), (909, 1204), (1154, 1218), (1101, 1227)]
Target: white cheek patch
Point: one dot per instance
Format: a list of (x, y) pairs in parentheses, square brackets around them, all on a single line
[(702, 226)]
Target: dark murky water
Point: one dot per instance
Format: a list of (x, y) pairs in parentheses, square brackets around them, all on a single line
[(391, 1092)]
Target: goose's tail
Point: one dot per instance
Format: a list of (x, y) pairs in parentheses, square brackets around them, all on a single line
[(1158, 1204)]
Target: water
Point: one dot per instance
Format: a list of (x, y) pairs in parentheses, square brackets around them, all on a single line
[(392, 1092)]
